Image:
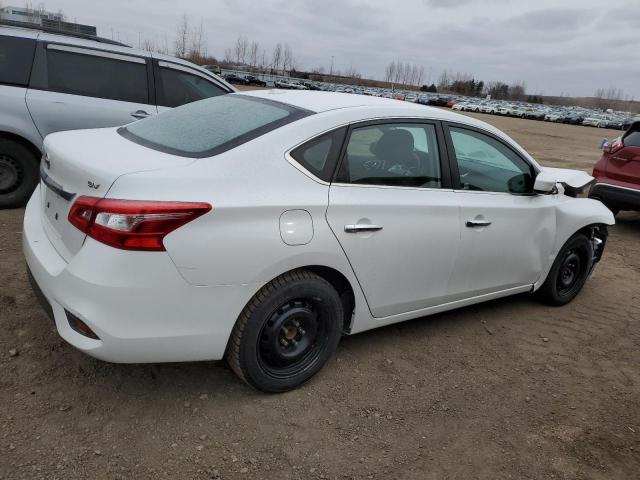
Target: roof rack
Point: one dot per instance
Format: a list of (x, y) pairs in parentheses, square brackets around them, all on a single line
[(35, 26)]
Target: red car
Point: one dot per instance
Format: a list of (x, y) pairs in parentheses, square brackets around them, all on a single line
[(617, 173)]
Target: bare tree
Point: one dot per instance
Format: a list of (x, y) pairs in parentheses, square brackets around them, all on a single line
[(254, 48), (276, 57), (240, 50), (389, 72), (198, 45), (228, 56), (182, 38), (288, 60)]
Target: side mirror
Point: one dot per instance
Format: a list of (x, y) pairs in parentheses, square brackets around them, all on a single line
[(545, 182)]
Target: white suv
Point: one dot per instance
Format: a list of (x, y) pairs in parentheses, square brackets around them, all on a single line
[(53, 82)]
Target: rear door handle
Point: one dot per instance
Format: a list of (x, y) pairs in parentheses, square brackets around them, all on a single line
[(362, 228), (477, 223), (140, 114)]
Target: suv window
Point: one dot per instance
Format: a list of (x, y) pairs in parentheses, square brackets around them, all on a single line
[(96, 76), (177, 88), (211, 126), (16, 56), (486, 164), (394, 154), (319, 155)]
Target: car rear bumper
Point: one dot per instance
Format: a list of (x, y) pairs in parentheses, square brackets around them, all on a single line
[(137, 303), (616, 196)]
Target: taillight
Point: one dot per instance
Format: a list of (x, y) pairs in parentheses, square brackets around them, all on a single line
[(614, 146), (132, 224)]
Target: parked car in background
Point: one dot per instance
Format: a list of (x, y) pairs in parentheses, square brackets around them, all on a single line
[(253, 80), (239, 227), (53, 82), (596, 120), (213, 69), (617, 173), (573, 118), (237, 79)]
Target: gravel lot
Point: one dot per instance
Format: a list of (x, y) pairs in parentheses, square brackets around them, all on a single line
[(507, 389)]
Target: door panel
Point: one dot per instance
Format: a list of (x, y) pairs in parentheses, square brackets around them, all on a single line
[(511, 250), (405, 265), (54, 112)]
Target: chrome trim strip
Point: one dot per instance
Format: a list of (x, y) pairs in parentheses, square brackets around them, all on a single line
[(183, 68), (614, 186), (55, 186), (96, 53)]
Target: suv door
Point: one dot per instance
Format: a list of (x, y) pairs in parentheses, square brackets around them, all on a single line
[(73, 88), (507, 231), (393, 211), (177, 84)]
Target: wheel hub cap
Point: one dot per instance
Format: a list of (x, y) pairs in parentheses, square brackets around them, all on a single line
[(289, 335), (10, 173)]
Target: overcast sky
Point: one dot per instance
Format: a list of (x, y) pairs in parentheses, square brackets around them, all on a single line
[(556, 47)]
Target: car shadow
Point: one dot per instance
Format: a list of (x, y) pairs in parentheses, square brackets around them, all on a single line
[(215, 379)]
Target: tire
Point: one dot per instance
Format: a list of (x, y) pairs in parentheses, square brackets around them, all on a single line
[(286, 333), (568, 273), (18, 173)]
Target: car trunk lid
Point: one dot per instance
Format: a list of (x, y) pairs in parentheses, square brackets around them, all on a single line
[(87, 162)]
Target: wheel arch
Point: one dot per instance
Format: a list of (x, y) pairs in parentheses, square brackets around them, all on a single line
[(4, 135)]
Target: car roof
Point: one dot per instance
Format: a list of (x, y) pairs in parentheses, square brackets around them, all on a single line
[(318, 102)]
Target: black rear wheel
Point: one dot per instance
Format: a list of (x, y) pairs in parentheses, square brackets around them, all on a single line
[(287, 332), (18, 173), (569, 272)]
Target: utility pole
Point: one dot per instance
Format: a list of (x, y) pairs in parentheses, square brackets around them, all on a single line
[(331, 69)]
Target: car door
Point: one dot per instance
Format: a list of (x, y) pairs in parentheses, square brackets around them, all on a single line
[(507, 231), (177, 84), (73, 88), (393, 211)]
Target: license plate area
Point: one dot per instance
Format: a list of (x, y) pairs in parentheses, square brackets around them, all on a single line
[(54, 207)]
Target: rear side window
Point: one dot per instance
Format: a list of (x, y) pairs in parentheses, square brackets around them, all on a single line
[(97, 76), (16, 55), (211, 126), (177, 88), (319, 156)]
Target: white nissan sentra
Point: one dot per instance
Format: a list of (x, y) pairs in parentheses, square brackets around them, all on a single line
[(260, 227)]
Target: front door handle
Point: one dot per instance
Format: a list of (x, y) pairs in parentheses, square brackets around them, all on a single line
[(362, 228), (140, 114), (477, 223)]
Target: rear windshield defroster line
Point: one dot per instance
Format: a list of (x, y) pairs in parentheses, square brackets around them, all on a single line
[(211, 126)]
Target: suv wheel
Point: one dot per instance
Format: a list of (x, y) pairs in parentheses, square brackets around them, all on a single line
[(18, 173)]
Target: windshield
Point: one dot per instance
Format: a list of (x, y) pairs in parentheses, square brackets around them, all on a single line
[(211, 126)]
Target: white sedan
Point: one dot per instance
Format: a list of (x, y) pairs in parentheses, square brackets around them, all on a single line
[(260, 227)]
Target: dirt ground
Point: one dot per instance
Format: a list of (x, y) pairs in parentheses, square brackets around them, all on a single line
[(509, 389)]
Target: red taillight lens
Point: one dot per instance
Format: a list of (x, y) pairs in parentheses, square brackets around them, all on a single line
[(132, 224)]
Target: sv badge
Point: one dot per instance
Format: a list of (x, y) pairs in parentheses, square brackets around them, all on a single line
[(95, 186)]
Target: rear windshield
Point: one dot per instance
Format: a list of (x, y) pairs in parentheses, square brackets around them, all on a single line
[(215, 125)]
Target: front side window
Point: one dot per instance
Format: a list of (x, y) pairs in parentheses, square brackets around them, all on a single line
[(96, 76), (394, 154), (485, 164), (177, 88), (16, 55), (211, 126)]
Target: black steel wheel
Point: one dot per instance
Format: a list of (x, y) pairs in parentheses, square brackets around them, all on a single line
[(569, 271), (18, 173), (287, 332)]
